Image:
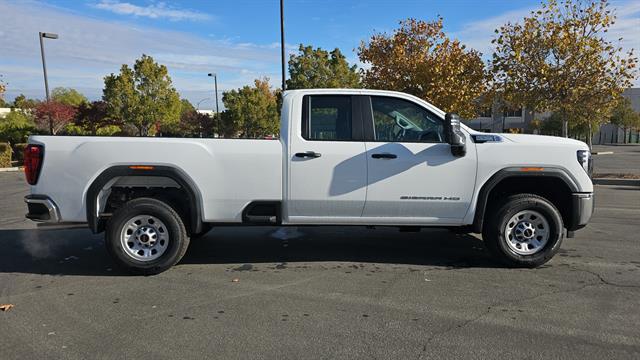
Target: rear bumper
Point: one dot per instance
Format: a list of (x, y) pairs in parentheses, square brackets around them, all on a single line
[(42, 209), (583, 206)]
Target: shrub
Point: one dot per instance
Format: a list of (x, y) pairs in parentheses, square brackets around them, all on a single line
[(5, 155), (16, 127), (18, 153)]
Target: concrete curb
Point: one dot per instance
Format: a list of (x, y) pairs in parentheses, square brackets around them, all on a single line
[(614, 181), (11, 169), (603, 153)]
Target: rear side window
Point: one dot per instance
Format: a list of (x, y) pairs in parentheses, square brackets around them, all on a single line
[(327, 118)]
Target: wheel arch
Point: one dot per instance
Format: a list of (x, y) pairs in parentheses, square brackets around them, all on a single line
[(510, 175), (109, 176)]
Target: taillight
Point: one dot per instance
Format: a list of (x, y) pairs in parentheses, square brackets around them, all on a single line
[(33, 155)]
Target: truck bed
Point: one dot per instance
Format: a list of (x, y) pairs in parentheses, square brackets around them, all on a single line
[(229, 173)]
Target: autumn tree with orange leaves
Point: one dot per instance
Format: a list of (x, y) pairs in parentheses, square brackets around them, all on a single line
[(418, 58), (559, 59)]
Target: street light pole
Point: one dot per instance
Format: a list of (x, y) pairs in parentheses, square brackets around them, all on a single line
[(282, 43), (41, 36), (215, 84), (200, 102)]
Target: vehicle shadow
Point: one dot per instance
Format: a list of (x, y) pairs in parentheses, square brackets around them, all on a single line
[(78, 252)]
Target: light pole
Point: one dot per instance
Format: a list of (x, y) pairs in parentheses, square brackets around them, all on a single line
[(199, 102), (282, 43), (215, 82), (41, 36)]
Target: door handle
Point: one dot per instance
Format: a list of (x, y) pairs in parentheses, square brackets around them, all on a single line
[(384, 156), (308, 154)]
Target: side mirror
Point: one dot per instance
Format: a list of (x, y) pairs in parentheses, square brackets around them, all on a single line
[(453, 135)]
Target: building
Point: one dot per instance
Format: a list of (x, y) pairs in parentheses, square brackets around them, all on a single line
[(210, 113), (502, 119)]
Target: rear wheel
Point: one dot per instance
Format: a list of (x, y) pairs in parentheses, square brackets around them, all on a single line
[(146, 236), (526, 230)]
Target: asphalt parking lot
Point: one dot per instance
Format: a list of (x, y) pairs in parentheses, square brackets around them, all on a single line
[(625, 159), (322, 293)]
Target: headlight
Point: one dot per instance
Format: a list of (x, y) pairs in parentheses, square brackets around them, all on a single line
[(584, 158)]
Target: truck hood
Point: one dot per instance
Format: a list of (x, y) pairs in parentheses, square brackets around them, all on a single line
[(544, 140)]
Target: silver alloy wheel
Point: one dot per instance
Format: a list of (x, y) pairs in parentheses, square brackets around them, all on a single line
[(527, 232), (144, 238)]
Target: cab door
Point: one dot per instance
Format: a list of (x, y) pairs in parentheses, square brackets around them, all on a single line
[(412, 176), (327, 161)]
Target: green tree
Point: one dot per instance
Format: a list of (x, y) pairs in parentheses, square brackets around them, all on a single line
[(3, 89), (558, 59), (23, 103), (186, 106), (251, 112), (624, 116), (68, 96), (316, 68), (143, 97), (15, 127), (418, 58)]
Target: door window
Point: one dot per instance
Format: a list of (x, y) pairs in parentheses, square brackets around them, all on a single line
[(398, 120), (327, 118)]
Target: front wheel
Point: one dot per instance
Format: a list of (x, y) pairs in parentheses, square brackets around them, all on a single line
[(526, 230), (146, 236)]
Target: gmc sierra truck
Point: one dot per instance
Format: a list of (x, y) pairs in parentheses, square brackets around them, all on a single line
[(344, 157)]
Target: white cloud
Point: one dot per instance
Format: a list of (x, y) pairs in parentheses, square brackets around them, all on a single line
[(153, 11), (627, 26), (89, 48), (478, 34)]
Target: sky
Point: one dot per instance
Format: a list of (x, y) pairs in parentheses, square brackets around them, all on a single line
[(239, 40)]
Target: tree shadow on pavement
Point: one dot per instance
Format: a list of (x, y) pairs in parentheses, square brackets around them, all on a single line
[(79, 252)]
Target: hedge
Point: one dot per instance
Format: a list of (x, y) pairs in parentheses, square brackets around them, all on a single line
[(5, 155), (18, 153)]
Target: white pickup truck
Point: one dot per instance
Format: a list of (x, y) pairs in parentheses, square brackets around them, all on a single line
[(344, 157)]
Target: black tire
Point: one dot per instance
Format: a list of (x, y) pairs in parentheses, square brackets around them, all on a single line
[(495, 238), (178, 240), (205, 229)]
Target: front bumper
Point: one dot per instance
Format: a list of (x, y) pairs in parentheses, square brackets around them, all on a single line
[(583, 206), (42, 209)]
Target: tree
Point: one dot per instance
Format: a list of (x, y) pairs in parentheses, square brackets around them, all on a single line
[(317, 68), (23, 103), (54, 116), (252, 111), (186, 107), (553, 126), (143, 97), (195, 124), (559, 60), (624, 116), (419, 59), (3, 88), (15, 127), (68, 96), (191, 123), (93, 119)]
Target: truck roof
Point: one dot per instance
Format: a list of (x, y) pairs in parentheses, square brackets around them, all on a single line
[(347, 91)]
